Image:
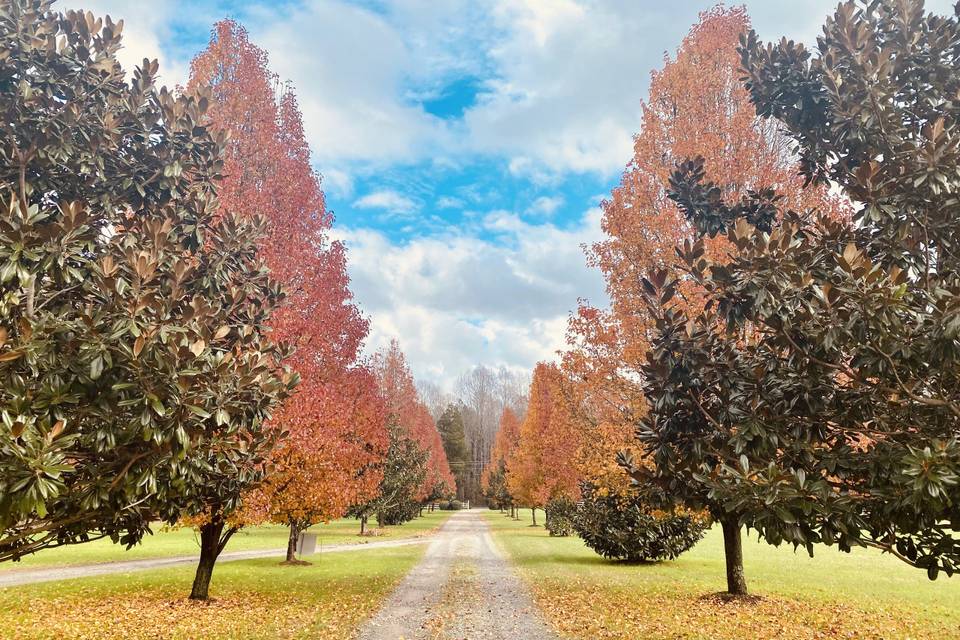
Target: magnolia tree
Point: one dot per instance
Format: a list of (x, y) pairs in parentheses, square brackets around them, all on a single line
[(814, 397), (135, 371)]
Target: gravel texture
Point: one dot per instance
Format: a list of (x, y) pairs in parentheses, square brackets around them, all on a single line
[(462, 589)]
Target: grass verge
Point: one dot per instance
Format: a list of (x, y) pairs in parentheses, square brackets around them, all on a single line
[(254, 599), (863, 594), (166, 543)]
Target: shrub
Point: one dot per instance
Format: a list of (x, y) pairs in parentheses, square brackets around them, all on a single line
[(625, 528), (561, 513), (452, 505), (403, 511)]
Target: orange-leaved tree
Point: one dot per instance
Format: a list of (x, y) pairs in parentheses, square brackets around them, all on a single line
[(697, 105), (542, 465), (493, 480), (438, 481), (416, 469), (334, 425), (331, 459)]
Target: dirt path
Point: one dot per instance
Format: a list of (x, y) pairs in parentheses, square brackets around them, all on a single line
[(463, 588), (50, 574)]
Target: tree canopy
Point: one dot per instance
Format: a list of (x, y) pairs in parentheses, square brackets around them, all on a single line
[(813, 398), (450, 426), (335, 422), (134, 359)]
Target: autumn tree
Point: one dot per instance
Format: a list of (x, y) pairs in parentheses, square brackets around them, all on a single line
[(135, 371), (494, 479), (541, 465), (331, 459), (696, 106), (815, 398), (439, 481), (416, 468), (335, 422)]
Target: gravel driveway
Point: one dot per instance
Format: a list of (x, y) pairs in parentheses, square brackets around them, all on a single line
[(462, 589)]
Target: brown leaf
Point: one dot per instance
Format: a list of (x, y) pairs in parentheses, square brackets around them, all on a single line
[(10, 355), (197, 347), (138, 346)]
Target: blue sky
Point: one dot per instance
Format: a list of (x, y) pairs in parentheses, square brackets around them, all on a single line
[(465, 144)]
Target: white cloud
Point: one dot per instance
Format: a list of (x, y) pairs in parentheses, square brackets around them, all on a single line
[(388, 200), (562, 80), (352, 66), (337, 182), (570, 78), (456, 300), (447, 202), (546, 205)]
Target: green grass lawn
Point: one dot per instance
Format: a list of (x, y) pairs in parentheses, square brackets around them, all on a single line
[(251, 599), (863, 594), (183, 541)]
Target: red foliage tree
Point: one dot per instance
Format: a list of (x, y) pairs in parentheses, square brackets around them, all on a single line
[(404, 406), (542, 465), (508, 436), (697, 105), (493, 480), (334, 424)]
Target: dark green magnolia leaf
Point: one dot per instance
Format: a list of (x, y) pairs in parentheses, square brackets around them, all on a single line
[(96, 368)]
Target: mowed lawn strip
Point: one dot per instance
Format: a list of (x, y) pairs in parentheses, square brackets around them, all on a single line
[(251, 599), (167, 543), (863, 594)]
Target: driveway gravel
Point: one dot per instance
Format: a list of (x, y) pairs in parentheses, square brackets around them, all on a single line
[(463, 588)]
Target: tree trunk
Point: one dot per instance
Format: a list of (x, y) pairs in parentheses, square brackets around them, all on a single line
[(533, 511), (363, 524), (212, 541), (733, 549), (292, 542)]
